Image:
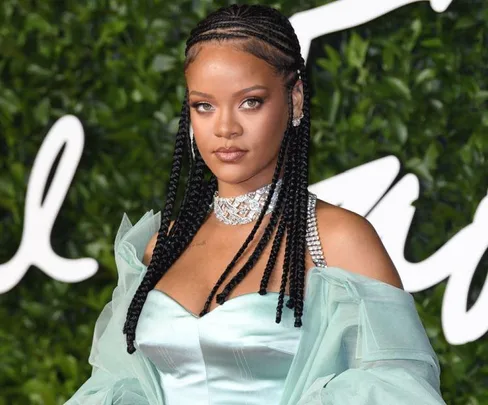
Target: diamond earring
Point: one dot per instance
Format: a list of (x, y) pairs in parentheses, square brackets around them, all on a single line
[(296, 121)]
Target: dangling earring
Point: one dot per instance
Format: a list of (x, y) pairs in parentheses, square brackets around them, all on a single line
[(296, 121)]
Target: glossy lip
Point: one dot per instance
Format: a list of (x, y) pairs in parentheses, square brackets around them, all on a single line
[(230, 155), (229, 149)]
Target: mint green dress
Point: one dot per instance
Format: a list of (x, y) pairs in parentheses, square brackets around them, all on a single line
[(361, 343)]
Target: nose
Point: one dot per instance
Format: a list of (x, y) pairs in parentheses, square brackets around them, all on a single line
[(226, 124)]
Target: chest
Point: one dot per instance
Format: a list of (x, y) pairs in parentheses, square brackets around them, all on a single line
[(191, 278), (234, 355)]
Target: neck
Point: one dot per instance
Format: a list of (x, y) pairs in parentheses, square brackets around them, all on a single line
[(229, 190)]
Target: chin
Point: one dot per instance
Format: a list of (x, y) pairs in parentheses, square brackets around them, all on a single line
[(231, 173), (239, 176), (240, 172)]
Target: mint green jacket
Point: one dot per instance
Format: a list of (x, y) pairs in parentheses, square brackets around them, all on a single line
[(362, 341)]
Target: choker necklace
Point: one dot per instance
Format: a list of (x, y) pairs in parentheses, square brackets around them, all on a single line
[(244, 208)]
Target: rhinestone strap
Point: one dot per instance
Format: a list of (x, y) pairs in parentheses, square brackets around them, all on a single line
[(312, 235)]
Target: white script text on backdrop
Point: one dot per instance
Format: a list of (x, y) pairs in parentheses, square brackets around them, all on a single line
[(358, 189)]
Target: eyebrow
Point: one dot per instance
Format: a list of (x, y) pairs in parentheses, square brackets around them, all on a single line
[(243, 91)]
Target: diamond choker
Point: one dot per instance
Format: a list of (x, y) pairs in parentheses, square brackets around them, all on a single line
[(244, 208)]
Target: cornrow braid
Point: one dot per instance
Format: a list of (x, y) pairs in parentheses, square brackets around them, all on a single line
[(243, 27), (243, 33)]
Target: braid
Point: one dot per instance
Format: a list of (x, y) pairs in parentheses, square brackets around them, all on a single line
[(303, 201), (286, 263), (293, 215), (244, 26), (226, 272), (288, 224), (268, 230), (170, 248), (275, 249), (282, 225), (175, 174), (176, 167)]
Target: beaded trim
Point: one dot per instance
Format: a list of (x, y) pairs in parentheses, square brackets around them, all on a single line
[(312, 235)]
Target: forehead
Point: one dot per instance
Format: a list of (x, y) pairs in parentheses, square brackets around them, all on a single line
[(227, 67)]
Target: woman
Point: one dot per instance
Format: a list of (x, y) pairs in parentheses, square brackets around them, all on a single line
[(348, 333)]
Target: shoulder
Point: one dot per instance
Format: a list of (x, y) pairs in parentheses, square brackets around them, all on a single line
[(350, 242), (148, 251)]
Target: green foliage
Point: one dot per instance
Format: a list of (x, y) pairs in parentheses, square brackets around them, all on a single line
[(411, 83)]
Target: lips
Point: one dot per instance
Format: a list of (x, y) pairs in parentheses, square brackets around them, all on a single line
[(230, 155)]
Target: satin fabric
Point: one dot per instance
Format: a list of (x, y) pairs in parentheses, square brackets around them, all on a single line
[(361, 343), (234, 355)]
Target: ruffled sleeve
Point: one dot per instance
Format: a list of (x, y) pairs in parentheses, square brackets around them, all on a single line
[(118, 377), (362, 344)]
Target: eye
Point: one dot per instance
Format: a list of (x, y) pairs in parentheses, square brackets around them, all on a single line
[(202, 107), (252, 103)]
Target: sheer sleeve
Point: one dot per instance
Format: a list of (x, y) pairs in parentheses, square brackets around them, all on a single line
[(117, 377), (365, 346)]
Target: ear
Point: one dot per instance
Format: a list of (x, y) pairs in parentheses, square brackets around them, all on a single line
[(297, 96)]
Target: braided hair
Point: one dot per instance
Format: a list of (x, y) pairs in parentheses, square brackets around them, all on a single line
[(265, 33)]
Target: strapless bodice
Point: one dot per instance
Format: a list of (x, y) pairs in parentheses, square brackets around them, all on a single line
[(235, 354)]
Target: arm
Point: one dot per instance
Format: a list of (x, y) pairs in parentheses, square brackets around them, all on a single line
[(364, 343), (374, 350), (118, 377)]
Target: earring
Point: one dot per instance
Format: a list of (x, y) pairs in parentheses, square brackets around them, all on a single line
[(296, 121)]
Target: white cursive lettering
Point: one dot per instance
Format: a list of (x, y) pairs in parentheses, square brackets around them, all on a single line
[(360, 188), (344, 14), (39, 216)]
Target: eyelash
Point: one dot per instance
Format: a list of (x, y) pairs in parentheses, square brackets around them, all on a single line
[(254, 99)]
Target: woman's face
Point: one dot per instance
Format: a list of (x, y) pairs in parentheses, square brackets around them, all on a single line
[(239, 113)]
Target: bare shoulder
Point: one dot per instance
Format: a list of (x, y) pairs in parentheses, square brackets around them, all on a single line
[(350, 242), (148, 251)]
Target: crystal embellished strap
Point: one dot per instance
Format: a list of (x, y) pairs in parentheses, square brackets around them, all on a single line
[(312, 236)]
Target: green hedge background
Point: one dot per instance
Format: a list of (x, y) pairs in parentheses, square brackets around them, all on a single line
[(412, 83)]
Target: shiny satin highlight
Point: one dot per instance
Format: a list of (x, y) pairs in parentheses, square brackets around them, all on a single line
[(219, 358)]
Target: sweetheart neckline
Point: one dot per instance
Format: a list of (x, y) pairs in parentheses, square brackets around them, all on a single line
[(253, 293), (197, 317)]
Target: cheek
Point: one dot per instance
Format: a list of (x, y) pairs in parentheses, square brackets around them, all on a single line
[(202, 131), (261, 131), (271, 126)]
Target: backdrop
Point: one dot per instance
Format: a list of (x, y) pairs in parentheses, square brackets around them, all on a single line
[(410, 84)]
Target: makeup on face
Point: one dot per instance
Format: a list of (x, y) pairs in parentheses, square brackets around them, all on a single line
[(239, 112)]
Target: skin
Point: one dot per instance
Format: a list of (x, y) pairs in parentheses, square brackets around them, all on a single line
[(238, 100)]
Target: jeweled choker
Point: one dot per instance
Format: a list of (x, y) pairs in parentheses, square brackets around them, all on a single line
[(244, 208)]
